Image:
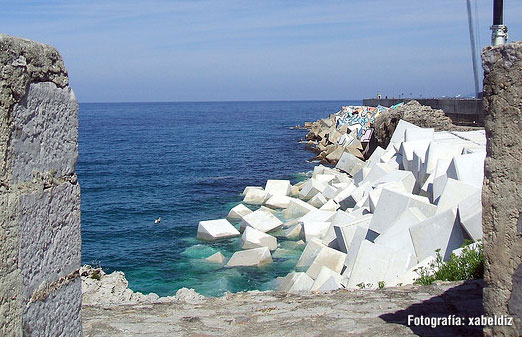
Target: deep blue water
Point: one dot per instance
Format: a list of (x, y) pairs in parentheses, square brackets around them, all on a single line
[(185, 162)]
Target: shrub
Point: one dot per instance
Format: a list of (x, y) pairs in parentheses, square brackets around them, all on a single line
[(468, 265)]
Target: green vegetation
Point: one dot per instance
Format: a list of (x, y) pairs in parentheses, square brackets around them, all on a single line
[(468, 265), (96, 275)]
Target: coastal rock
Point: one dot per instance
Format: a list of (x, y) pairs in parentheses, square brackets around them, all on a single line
[(216, 229), (250, 257)]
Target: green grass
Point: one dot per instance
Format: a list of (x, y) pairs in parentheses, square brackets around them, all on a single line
[(467, 266)]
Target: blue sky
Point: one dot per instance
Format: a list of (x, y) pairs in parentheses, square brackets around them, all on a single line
[(258, 50)]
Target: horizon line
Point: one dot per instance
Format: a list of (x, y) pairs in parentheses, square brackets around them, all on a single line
[(226, 101)]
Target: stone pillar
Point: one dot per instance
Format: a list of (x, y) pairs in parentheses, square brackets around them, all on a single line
[(502, 192), (40, 238)]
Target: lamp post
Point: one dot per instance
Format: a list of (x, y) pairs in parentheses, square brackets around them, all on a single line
[(499, 34)]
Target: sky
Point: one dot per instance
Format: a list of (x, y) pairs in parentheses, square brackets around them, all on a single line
[(236, 50)]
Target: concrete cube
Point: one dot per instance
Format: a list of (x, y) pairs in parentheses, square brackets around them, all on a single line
[(297, 208), (329, 192), (330, 205), (407, 149), (352, 232), (470, 215), (278, 201), (349, 163), (216, 258), (296, 282), (327, 257), (262, 221), (413, 134), (278, 187), (248, 188), (406, 178), (317, 215), (323, 281), (311, 188), (392, 204), (398, 134), (314, 229), (216, 229), (250, 257), (468, 168), (253, 238), (294, 232), (318, 200), (441, 231), (237, 212), (310, 252), (376, 263), (454, 192), (256, 196)]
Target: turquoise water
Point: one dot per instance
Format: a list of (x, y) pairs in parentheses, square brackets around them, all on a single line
[(185, 162)]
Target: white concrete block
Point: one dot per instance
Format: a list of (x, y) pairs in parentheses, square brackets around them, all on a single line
[(253, 238), (439, 179), (237, 212), (256, 196), (411, 275), (349, 163), (294, 232), (406, 178), (278, 187), (330, 205), (262, 221), (376, 263), (248, 188), (317, 215), (440, 231), (297, 208), (407, 149), (210, 230), (250, 257), (216, 258), (375, 157), (454, 192), (310, 252), (323, 282), (344, 193), (468, 168), (327, 257), (397, 236), (357, 194), (329, 192), (392, 204), (278, 201), (355, 229), (314, 229), (296, 282), (311, 188), (325, 178), (413, 134), (398, 134), (470, 215), (318, 200), (438, 151), (341, 218)]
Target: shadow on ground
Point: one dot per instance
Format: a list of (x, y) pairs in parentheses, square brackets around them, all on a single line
[(454, 306)]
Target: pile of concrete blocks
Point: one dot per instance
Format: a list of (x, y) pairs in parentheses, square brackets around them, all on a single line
[(383, 218), (365, 223)]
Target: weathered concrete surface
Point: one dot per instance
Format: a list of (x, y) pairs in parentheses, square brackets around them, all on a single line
[(339, 313), (501, 195), (40, 288)]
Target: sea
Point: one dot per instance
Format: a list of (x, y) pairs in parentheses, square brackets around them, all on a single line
[(184, 162)]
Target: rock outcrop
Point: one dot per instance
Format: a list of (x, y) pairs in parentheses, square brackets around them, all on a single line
[(503, 186), (40, 287)]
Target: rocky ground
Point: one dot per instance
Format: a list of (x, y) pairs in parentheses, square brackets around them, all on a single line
[(340, 313)]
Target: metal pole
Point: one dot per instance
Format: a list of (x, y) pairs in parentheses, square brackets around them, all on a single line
[(499, 34), (473, 49)]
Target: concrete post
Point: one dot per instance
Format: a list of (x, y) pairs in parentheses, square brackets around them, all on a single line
[(502, 191), (40, 238)]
